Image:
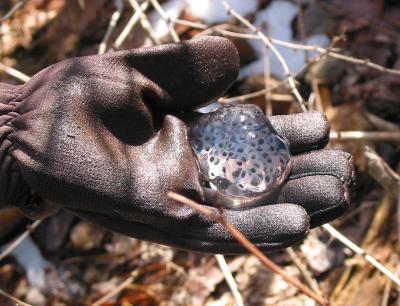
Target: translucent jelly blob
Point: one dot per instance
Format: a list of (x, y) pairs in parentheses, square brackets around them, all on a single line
[(239, 152)]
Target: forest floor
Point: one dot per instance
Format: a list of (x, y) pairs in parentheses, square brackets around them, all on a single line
[(355, 80)]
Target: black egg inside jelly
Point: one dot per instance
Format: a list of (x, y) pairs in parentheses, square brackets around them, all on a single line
[(239, 151)]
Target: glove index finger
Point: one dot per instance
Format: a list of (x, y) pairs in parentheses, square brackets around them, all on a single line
[(304, 131), (191, 73)]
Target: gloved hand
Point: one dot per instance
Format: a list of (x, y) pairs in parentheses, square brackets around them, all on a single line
[(101, 136)]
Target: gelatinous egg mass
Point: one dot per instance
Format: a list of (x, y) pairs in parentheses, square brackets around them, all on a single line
[(239, 152)]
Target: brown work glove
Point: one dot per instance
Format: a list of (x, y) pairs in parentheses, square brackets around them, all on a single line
[(100, 136)]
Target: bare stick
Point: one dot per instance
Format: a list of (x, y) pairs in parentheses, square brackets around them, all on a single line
[(116, 290), (246, 244), (386, 290), (14, 299), (144, 21), (267, 84), (301, 26), (24, 235), (357, 250), (229, 279), (14, 73), (278, 55), (195, 25), (221, 30), (382, 173), (361, 135), (11, 12), (241, 33), (228, 276), (132, 276), (380, 123), (245, 97), (365, 62), (130, 25), (111, 26), (328, 52), (167, 20), (303, 270)]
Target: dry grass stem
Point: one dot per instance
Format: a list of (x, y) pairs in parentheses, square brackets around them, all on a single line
[(377, 167), (361, 135), (241, 33), (167, 20), (14, 73), (382, 173), (359, 251), (380, 123), (267, 84), (379, 221), (229, 279), (145, 23), (394, 259), (301, 26), (30, 228), (11, 12), (130, 25), (312, 283), (126, 283), (365, 62), (331, 52), (246, 244), (14, 299), (111, 26), (270, 46), (116, 290), (245, 97)]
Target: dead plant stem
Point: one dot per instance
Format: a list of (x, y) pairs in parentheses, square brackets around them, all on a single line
[(246, 244)]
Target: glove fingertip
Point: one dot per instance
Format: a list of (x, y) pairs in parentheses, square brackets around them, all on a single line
[(304, 131)]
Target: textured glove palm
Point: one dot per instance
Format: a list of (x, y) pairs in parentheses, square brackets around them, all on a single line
[(101, 136)]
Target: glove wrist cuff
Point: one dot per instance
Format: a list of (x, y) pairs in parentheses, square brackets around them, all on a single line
[(8, 101)]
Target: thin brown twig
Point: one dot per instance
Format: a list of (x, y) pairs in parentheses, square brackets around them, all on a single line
[(116, 290), (243, 34), (288, 75), (30, 228), (244, 97), (11, 12), (362, 135), (315, 90), (381, 124), (166, 19), (15, 73), (382, 173), (359, 251), (350, 215), (130, 25), (14, 299), (127, 282), (394, 259), (246, 244), (301, 26), (296, 47), (229, 279), (364, 62), (267, 84), (304, 271), (145, 23), (111, 26)]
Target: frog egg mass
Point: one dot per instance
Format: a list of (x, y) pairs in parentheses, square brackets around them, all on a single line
[(239, 152)]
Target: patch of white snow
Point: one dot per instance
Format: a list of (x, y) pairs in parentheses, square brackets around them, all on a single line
[(213, 11), (276, 21), (29, 257)]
